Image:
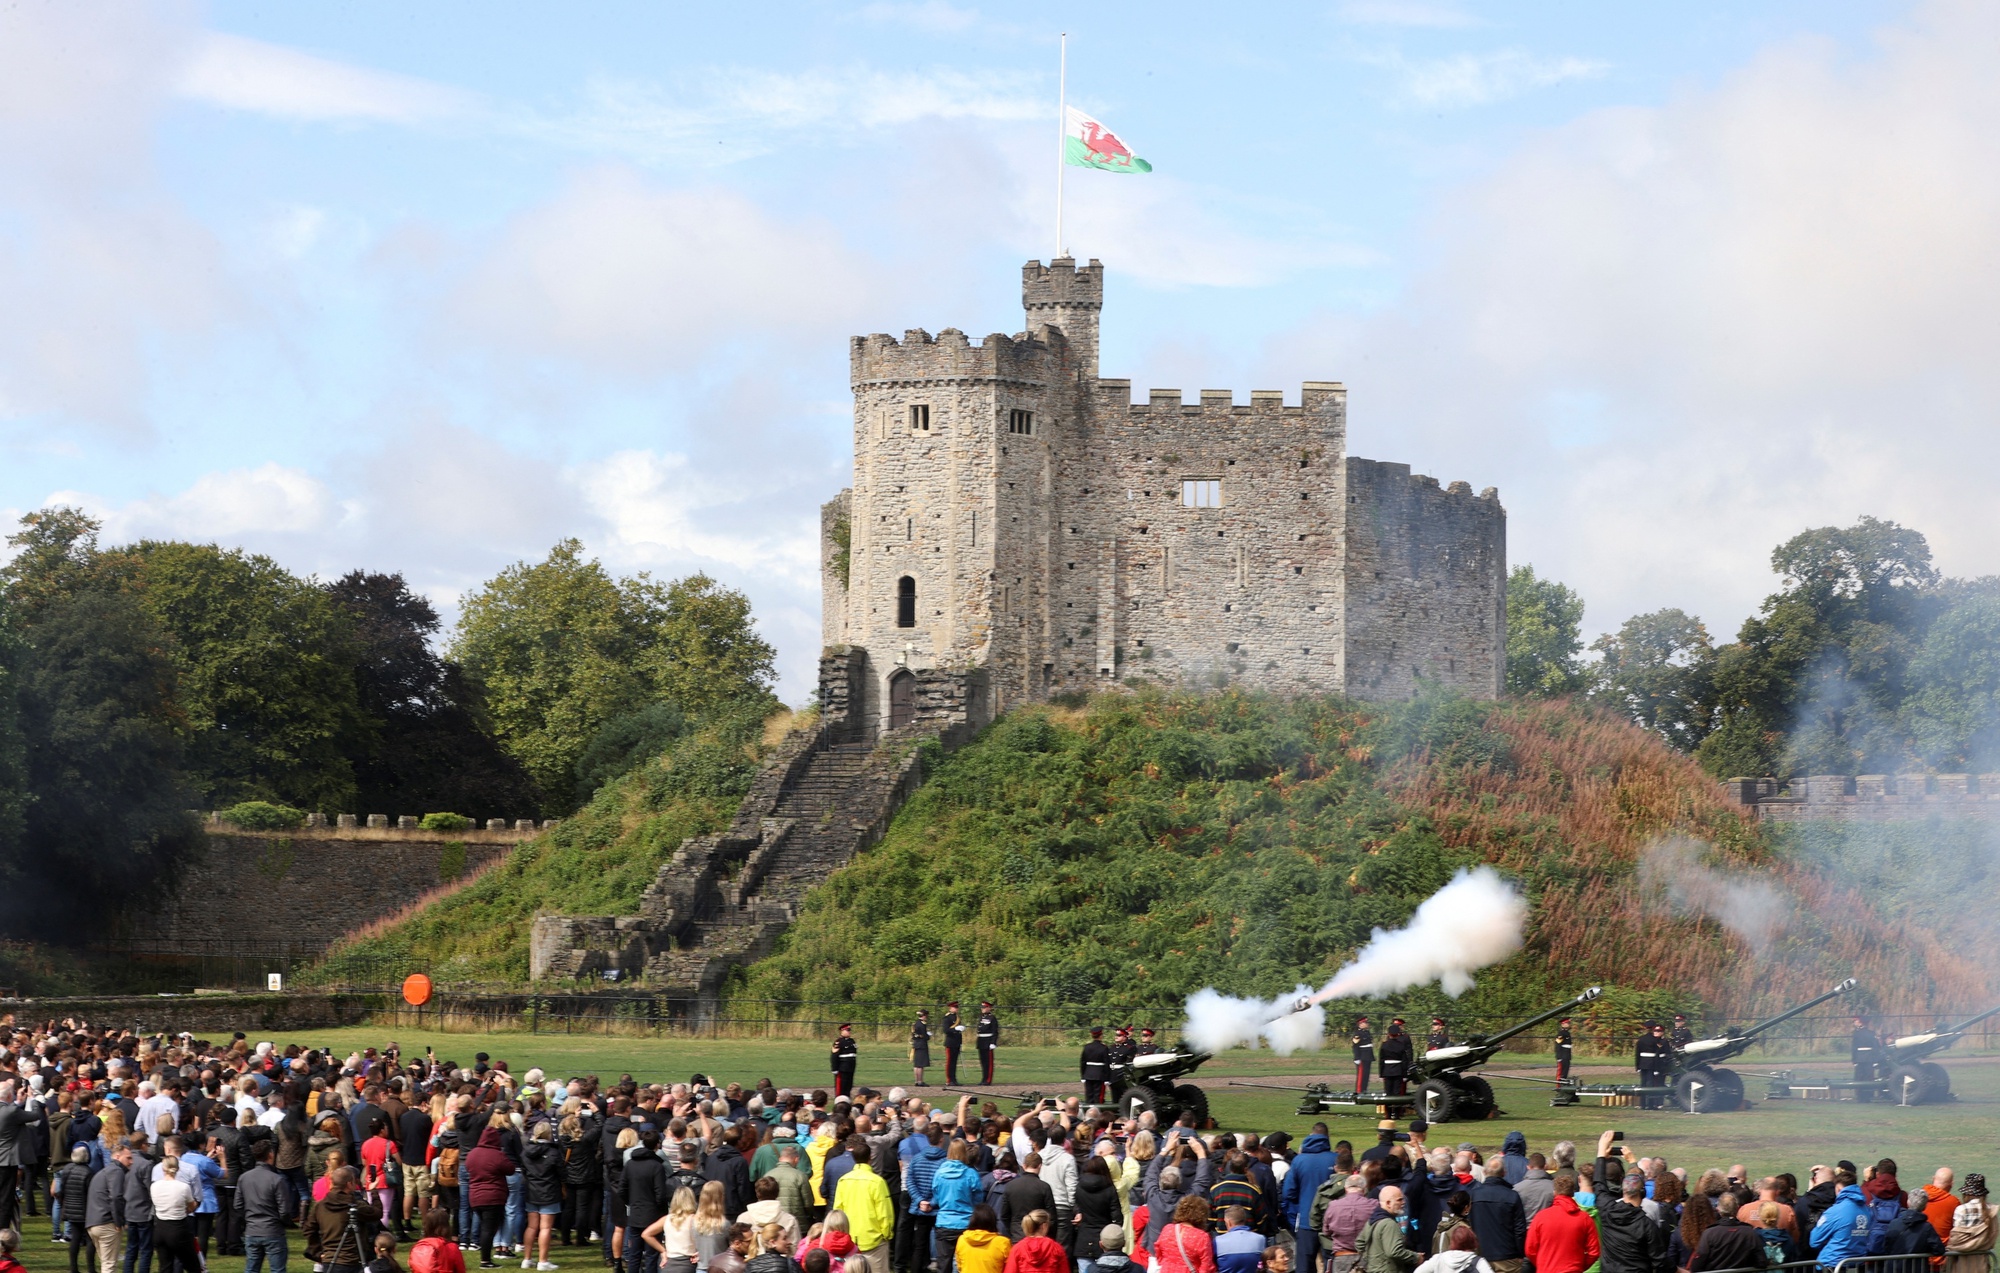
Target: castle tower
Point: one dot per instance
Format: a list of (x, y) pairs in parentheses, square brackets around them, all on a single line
[(1068, 299)]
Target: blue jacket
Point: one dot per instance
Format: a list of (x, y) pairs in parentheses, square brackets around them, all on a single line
[(923, 1170), (1842, 1230), (1240, 1250), (1311, 1167), (207, 1172), (955, 1190), (1514, 1157)]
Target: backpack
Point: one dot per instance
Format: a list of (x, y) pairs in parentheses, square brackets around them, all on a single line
[(1881, 1213), (1329, 1189), (1774, 1246), (447, 1166)]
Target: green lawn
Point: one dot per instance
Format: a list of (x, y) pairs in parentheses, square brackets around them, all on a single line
[(1770, 1136)]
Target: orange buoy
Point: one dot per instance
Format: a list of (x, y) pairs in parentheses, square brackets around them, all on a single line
[(416, 990)]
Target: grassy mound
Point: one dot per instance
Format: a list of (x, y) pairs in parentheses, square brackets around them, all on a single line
[(1133, 851), (598, 862)]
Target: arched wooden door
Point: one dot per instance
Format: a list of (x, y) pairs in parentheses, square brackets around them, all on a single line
[(902, 699)]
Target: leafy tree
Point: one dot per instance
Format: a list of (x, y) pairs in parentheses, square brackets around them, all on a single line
[(1544, 636), (561, 649), (424, 743), (109, 796), (1953, 710), (627, 742), (1659, 671), (266, 672), (13, 745), (1822, 665)]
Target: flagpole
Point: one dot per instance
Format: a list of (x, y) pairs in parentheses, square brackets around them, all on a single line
[(1062, 132)]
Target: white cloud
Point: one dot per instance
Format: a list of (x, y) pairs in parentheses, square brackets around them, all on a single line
[(239, 73), (1677, 336), (1405, 13), (617, 274), (725, 115), (227, 507), (101, 266), (1478, 79)]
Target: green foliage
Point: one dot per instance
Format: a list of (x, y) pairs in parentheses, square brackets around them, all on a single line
[(562, 649), (445, 822), (1544, 636), (261, 815), (843, 549), (1658, 671), (13, 742), (1147, 847), (598, 862), (451, 861), (629, 740), (1953, 711)]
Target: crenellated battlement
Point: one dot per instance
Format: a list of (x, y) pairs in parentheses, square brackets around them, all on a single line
[(1316, 399), (951, 355), (1868, 798)]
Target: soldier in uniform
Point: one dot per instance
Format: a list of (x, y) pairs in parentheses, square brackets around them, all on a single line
[(954, 1039), (1146, 1045), (1565, 1049), (843, 1055), (1397, 1054), (1364, 1053), (1680, 1036), (1124, 1049), (920, 1045), (986, 1037), (1653, 1058), (1440, 1037), (1095, 1067), (1866, 1052)]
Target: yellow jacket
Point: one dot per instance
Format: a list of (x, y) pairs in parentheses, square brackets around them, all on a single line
[(871, 1216), (982, 1251), (816, 1151)]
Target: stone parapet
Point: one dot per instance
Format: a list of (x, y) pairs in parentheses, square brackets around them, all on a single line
[(1867, 797)]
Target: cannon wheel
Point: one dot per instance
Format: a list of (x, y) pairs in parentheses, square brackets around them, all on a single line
[(1191, 1097), (1479, 1102), (1136, 1101), (1940, 1082), (1711, 1097), (1439, 1101), (1731, 1084), (1909, 1085)]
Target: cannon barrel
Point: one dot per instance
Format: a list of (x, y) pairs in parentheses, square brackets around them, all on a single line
[(1912, 1046), (1730, 1043), (1481, 1047)]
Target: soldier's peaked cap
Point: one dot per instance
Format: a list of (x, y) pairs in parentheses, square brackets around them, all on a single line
[(1096, 1030)]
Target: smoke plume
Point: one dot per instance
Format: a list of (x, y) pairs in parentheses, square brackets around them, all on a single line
[(1475, 921), (1748, 905)]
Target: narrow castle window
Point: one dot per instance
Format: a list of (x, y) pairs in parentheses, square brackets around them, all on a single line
[(1201, 492), (906, 602), (920, 418), (1019, 421)]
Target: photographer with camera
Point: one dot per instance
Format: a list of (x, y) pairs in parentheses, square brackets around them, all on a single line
[(340, 1228)]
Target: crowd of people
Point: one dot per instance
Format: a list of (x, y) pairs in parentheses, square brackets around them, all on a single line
[(170, 1150)]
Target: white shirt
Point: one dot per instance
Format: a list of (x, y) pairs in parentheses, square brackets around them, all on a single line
[(271, 1117), (172, 1199), (150, 1111)]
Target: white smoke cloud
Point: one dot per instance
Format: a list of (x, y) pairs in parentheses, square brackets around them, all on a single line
[(1672, 871), (1475, 921)]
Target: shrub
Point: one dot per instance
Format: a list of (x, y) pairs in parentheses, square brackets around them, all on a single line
[(261, 815), (445, 822)]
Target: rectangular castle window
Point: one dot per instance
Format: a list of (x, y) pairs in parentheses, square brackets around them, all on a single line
[(920, 418), (1201, 492), (1019, 421)]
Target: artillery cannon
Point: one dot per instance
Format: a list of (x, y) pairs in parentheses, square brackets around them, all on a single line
[(1913, 1080), (1441, 1088), (1148, 1082), (1695, 1081)]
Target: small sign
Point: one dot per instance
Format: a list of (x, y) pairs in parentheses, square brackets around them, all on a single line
[(274, 981)]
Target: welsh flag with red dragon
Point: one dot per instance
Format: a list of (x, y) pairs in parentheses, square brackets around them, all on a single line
[(1089, 144)]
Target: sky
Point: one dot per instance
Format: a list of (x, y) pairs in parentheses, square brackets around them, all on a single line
[(430, 288)]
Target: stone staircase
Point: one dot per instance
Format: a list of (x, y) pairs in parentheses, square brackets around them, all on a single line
[(724, 900)]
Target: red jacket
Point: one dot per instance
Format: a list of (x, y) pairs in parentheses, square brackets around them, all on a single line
[(1562, 1238), (436, 1255), (1037, 1255)]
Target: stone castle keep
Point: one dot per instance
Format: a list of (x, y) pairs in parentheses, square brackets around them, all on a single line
[(1019, 526)]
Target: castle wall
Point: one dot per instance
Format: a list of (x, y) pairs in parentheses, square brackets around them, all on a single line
[(1146, 586), (1426, 584)]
